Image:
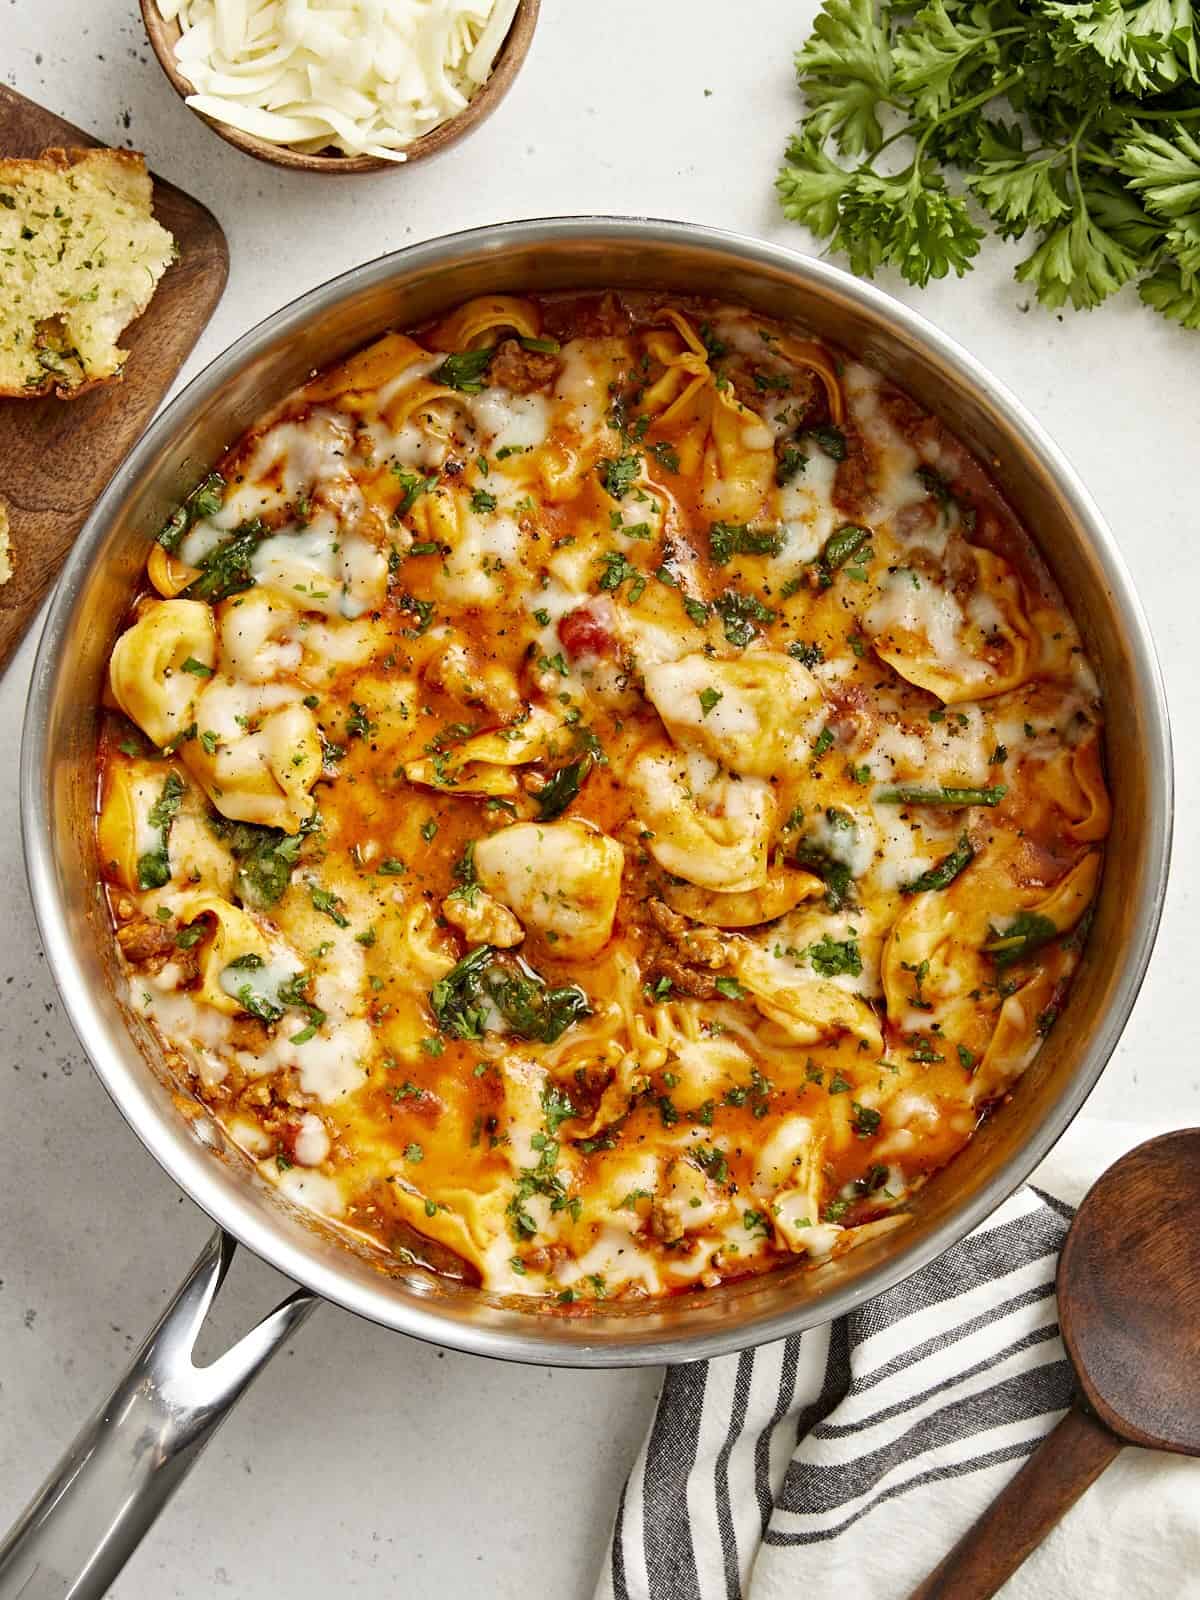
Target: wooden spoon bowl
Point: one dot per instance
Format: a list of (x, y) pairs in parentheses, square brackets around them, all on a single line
[(1129, 1295), (1129, 1311), (164, 36)]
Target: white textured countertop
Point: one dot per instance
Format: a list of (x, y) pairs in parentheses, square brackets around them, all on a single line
[(363, 1463)]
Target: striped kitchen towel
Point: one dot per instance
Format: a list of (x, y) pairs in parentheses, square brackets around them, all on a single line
[(849, 1459)]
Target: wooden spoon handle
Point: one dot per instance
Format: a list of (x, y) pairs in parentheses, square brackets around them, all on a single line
[(1068, 1461)]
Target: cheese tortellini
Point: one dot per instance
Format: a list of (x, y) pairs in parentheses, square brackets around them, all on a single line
[(752, 715), (159, 664), (711, 830), (598, 795), (560, 878)]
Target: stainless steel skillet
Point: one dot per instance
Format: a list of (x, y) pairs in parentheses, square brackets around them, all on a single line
[(126, 1463)]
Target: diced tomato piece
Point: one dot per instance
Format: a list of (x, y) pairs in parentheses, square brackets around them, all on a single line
[(586, 632)]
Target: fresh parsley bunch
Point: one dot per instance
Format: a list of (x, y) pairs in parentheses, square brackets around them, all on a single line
[(1077, 124)]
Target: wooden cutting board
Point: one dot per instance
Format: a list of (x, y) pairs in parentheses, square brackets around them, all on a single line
[(57, 455)]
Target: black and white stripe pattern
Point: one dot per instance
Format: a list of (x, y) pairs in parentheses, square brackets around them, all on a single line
[(813, 1460)]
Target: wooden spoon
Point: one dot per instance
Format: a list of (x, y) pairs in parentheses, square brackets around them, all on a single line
[(1129, 1310)]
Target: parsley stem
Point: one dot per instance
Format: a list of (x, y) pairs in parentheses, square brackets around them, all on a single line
[(980, 99), (910, 128), (1094, 158), (1161, 116), (1073, 147)]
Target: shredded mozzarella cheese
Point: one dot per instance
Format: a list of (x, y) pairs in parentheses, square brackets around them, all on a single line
[(365, 76)]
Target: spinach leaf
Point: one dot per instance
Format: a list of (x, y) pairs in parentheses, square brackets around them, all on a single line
[(487, 979), (835, 875), (562, 788), (946, 870), (204, 501), (154, 866), (225, 570), (913, 795), (832, 440), (842, 544), (1025, 933), (459, 1000), (265, 857)]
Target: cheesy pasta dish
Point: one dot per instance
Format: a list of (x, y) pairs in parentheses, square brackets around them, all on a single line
[(599, 796)]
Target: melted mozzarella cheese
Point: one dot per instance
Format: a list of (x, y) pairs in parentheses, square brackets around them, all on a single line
[(555, 858)]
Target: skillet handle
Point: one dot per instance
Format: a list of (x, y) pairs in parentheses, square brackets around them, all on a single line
[(126, 1463)]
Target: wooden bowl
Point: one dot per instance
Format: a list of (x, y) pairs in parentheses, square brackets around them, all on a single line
[(164, 36)]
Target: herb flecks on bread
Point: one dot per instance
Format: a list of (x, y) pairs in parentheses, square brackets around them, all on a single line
[(82, 256)]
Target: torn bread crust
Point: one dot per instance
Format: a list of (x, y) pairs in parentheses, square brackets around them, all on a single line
[(85, 256)]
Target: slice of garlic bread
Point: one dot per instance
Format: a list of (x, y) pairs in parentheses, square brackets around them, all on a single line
[(5, 548), (81, 257)]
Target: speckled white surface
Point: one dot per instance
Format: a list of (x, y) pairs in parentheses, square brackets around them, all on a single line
[(364, 1464)]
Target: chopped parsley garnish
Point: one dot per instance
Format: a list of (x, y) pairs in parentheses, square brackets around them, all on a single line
[(790, 463), (864, 1120), (423, 610), (729, 539), (616, 570), (666, 455), (619, 473), (413, 486), (557, 1108), (357, 724), (482, 501), (196, 668), (708, 699), (742, 616), (832, 957)]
